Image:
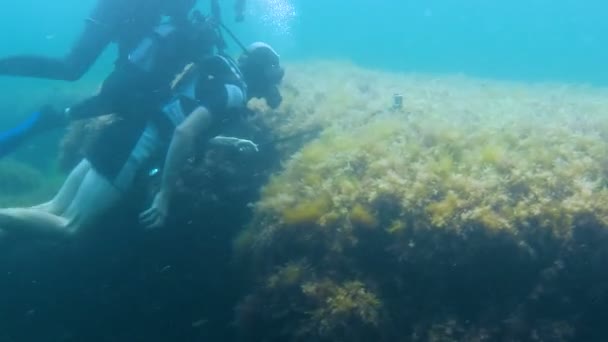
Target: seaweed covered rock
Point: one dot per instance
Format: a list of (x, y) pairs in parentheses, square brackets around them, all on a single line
[(478, 211), (220, 180), (306, 307)]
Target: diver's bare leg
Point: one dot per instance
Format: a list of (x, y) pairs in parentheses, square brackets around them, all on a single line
[(45, 218), (31, 221), (93, 196), (68, 190)]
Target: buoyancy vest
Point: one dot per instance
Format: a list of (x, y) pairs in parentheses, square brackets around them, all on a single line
[(215, 83)]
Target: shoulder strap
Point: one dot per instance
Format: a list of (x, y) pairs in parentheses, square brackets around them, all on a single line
[(185, 83)]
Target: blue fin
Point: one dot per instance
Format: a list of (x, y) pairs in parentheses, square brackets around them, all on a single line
[(12, 138)]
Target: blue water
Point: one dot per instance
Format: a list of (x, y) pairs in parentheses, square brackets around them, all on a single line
[(519, 39), (532, 40), (117, 287)]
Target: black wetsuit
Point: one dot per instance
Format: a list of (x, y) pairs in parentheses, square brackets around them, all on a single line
[(124, 22)]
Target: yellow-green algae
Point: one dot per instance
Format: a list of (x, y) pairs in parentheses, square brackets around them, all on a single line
[(463, 151), (314, 308), (339, 305), (471, 180)]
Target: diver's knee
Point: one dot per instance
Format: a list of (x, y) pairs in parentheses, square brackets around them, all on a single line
[(75, 225), (72, 227), (11, 213), (72, 74), (73, 68)]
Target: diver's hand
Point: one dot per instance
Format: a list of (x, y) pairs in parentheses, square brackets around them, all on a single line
[(244, 145), (156, 215)]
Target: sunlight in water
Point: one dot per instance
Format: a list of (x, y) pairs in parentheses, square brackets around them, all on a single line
[(278, 15)]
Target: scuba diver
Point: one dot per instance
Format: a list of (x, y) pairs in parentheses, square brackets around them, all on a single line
[(136, 86), (210, 104), (210, 96), (136, 74), (125, 22), (121, 21)]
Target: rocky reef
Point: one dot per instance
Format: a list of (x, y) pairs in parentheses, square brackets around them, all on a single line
[(478, 211)]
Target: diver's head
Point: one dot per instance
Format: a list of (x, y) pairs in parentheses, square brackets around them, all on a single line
[(263, 73)]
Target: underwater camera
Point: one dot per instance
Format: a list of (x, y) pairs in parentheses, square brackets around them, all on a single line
[(397, 101)]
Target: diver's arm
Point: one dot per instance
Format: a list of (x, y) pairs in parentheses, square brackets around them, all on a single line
[(41, 121), (101, 28), (181, 147), (242, 145), (12, 138), (91, 43)]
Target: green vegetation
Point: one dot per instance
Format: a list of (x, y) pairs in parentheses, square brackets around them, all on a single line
[(474, 185)]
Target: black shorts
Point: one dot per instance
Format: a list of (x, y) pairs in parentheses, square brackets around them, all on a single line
[(112, 147)]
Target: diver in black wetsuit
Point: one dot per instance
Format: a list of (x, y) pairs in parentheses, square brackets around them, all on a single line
[(138, 83), (130, 84), (124, 22), (121, 21)]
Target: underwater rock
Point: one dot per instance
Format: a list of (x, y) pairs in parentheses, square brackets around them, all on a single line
[(452, 209)]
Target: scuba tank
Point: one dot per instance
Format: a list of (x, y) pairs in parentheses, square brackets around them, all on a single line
[(145, 54)]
